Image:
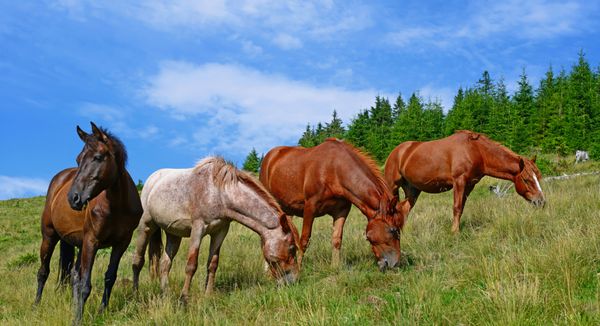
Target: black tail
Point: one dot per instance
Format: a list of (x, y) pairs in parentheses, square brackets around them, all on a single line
[(67, 253), (155, 248)]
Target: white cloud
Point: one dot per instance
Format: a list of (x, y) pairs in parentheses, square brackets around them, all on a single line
[(244, 108), (18, 187), (287, 42), (526, 20)]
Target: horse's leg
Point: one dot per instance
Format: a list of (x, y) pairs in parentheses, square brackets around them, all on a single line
[(111, 272), (307, 222), (339, 219), (216, 240), (461, 191), (198, 229), (166, 261), (67, 252), (411, 193), (145, 229), (49, 241), (84, 280)]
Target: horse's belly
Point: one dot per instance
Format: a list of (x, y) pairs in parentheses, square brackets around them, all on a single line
[(180, 227), (432, 186)]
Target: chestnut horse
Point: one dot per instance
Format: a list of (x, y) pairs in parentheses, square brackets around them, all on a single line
[(93, 206), (459, 161), (328, 179), (204, 200)]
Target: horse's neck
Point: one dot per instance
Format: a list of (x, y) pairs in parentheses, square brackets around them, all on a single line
[(499, 162), (251, 210), (118, 192), (365, 195)]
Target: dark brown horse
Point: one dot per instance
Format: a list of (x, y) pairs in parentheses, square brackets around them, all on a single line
[(328, 179), (459, 161), (93, 206)]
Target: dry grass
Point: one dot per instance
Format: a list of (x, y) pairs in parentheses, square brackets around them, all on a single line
[(511, 264)]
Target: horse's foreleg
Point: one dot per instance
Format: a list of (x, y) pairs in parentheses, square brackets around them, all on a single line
[(111, 272), (336, 237), (216, 240), (198, 229), (84, 279), (461, 191), (49, 241), (166, 261)]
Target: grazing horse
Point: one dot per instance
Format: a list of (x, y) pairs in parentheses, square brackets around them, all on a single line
[(204, 200), (458, 161), (328, 179), (93, 206)]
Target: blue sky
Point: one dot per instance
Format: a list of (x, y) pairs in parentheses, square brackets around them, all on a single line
[(179, 80)]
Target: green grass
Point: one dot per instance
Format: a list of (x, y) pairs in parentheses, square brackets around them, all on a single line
[(511, 264)]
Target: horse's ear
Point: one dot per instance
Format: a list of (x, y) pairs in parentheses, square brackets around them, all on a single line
[(99, 133), (392, 205), (521, 164), (475, 136), (534, 158), (288, 226), (82, 134)]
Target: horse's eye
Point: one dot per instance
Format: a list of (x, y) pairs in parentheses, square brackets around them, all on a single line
[(98, 157)]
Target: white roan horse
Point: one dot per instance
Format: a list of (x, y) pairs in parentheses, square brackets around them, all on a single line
[(204, 200)]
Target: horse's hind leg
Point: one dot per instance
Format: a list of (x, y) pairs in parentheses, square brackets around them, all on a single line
[(216, 240), (166, 261), (67, 252), (111, 273), (339, 219), (49, 241), (307, 223)]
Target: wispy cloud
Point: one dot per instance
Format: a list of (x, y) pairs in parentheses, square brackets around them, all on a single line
[(18, 187), (525, 20), (116, 120), (244, 108), (287, 42)]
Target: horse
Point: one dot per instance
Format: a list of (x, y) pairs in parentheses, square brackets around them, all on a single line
[(459, 162), (328, 179), (204, 200), (93, 206)]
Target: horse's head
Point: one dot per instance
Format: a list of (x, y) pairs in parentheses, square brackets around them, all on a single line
[(280, 253), (527, 182), (97, 167), (385, 237)]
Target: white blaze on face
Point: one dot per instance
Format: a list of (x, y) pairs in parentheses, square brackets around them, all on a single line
[(537, 184)]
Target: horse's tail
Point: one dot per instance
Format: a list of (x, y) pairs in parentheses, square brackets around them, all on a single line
[(67, 253), (155, 248)]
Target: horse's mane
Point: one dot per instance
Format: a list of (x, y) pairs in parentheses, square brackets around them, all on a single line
[(483, 137), (226, 174), (119, 149), (373, 169)]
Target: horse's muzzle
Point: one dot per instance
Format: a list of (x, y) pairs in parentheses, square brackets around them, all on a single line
[(76, 202), (539, 202), (387, 260)]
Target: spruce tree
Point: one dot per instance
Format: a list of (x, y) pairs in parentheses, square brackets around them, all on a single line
[(252, 162)]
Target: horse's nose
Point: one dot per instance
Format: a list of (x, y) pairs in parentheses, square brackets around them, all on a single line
[(75, 201)]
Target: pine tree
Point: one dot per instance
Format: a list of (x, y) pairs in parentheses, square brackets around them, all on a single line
[(523, 124), (335, 128), (380, 129), (579, 105), (252, 162), (308, 138), (358, 130)]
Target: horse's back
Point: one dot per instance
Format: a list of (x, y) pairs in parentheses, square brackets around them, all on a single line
[(432, 165), (167, 200)]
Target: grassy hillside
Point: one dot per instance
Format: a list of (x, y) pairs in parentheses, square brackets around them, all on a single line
[(511, 264)]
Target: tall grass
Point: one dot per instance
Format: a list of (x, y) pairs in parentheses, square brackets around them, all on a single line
[(511, 264)]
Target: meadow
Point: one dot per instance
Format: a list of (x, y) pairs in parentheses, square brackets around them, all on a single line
[(511, 264)]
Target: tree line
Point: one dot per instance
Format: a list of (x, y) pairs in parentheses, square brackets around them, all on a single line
[(560, 115)]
